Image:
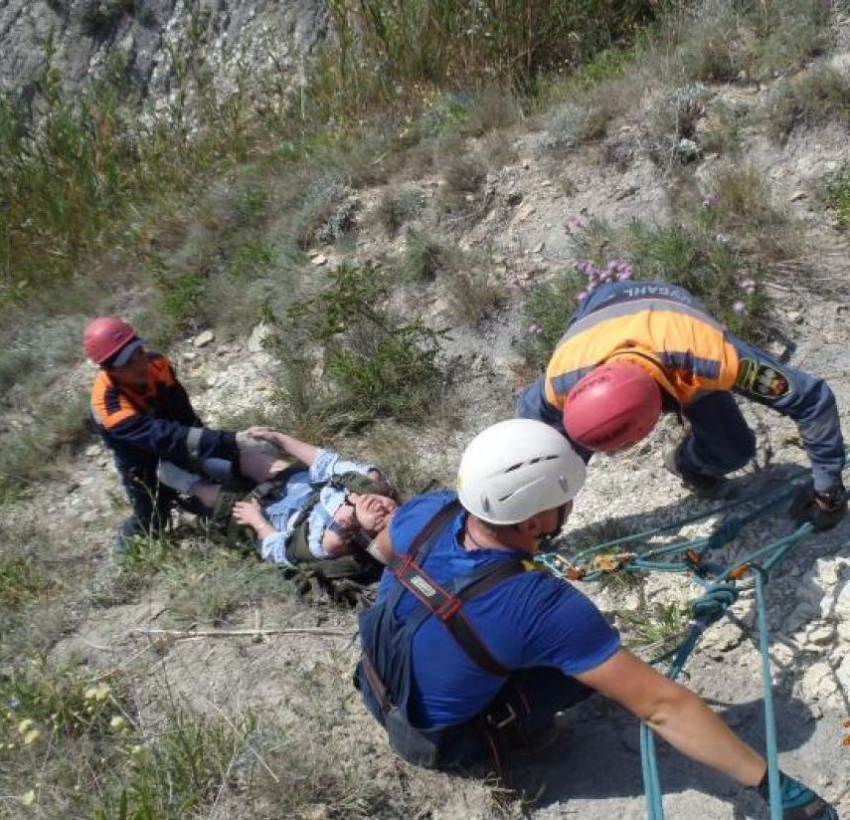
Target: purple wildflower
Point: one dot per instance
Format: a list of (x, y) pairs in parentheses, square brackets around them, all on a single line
[(739, 307)]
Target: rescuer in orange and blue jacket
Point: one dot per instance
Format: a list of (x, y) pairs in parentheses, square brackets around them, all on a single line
[(635, 349), (144, 414)]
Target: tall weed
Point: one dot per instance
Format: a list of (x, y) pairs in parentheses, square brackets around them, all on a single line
[(380, 364), (382, 44), (838, 198)]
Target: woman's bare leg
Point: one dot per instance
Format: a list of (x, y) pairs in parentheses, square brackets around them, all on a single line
[(260, 466), (206, 493)]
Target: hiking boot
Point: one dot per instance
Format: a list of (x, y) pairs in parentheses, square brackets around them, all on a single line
[(700, 484), (130, 529)]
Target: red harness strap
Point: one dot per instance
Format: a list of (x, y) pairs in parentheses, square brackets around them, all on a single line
[(446, 605)]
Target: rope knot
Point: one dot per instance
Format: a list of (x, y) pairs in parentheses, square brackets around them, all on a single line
[(710, 607)]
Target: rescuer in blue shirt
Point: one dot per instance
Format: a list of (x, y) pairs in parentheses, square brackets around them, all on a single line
[(468, 656)]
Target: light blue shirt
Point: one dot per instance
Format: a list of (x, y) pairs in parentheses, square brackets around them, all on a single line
[(283, 510)]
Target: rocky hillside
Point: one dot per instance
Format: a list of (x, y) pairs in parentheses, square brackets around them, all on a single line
[(702, 159), (144, 42)]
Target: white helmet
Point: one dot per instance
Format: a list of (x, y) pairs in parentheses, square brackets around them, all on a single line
[(516, 469)]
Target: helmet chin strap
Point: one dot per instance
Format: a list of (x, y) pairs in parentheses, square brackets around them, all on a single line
[(562, 519)]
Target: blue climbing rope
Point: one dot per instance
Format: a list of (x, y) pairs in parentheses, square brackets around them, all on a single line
[(721, 590)]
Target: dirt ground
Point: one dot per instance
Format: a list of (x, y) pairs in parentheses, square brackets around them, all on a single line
[(594, 770)]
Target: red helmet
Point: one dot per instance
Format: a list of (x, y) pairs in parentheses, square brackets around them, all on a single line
[(105, 336), (613, 406)]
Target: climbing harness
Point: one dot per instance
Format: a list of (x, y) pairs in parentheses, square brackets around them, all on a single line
[(721, 586)]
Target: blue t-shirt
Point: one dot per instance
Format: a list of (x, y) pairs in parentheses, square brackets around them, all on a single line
[(529, 620)]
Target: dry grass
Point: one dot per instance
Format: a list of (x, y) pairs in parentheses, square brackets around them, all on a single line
[(821, 95)]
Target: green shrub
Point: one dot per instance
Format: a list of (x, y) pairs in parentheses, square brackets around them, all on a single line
[(380, 365), (713, 46), (722, 133), (33, 454), (672, 125), (15, 366), (789, 33), (437, 42), (838, 198), (326, 213), (738, 206), (59, 701), (301, 402), (499, 150), (707, 266), (570, 125), (394, 449), (757, 39), (250, 259), (146, 556), (492, 108), (209, 588), (705, 251), (182, 770), (655, 626), (546, 310), (180, 294), (62, 185), (600, 70), (463, 174), (474, 293), (22, 580)]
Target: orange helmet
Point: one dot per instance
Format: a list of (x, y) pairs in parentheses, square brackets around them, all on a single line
[(613, 406), (105, 336)]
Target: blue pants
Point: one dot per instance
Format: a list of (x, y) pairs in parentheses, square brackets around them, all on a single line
[(720, 441), (150, 500), (526, 703)]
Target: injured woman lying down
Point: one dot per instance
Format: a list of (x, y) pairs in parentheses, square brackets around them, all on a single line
[(312, 507)]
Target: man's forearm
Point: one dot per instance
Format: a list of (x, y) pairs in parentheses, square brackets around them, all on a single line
[(692, 728)]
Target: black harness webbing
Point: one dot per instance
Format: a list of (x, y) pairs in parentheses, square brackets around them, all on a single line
[(447, 605)]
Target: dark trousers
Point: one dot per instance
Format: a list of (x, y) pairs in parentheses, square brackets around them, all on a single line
[(720, 441), (151, 501), (525, 704)]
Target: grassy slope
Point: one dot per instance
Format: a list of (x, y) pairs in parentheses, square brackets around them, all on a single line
[(226, 219)]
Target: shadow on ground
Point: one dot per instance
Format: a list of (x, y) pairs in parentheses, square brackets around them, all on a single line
[(598, 754), (755, 487)]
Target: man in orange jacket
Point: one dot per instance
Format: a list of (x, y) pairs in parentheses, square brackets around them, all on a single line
[(143, 414), (636, 349)]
